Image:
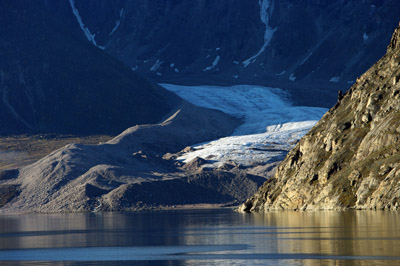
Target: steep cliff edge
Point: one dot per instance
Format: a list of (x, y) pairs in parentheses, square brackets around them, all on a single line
[(351, 158)]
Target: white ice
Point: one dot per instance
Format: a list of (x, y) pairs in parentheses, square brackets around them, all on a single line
[(271, 124), (292, 77), (265, 6), (214, 63), (85, 30)]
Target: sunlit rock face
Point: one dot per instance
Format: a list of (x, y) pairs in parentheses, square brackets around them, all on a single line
[(312, 48), (351, 158)]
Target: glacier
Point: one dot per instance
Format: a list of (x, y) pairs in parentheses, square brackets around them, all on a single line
[(271, 124)]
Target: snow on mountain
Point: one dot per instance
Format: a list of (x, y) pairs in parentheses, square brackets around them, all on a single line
[(271, 124), (118, 22), (156, 65), (240, 42), (90, 36), (265, 9), (214, 63)]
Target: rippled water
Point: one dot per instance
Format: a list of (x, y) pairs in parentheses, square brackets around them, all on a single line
[(201, 237)]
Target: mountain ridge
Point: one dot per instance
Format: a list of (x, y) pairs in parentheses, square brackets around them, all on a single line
[(329, 45), (51, 81)]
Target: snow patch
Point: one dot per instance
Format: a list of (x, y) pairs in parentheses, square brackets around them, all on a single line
[(365, 37), (217, 49), (176, 70), (118, 22), (280, 74), (214, 63), (172, 65), (156, 65), (271, 124), (235, 76), (335, 79), (134, 68), (265, 9), (85, 30), (305, 59), (292, 77)]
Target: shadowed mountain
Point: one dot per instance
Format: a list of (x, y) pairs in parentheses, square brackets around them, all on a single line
[(312, 48), (52, 80)]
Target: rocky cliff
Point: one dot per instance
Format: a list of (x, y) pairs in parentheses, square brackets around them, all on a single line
[(351, 158)]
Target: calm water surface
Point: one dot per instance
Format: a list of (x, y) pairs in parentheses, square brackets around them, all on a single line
[(201, 237)]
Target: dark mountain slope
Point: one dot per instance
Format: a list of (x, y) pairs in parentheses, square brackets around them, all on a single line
[(313, 48), (351, 158), (51, 80)]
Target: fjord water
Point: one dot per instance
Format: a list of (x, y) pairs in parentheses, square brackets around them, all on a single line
[(201, 237)]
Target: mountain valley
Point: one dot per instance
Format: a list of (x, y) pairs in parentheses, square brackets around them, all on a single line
[(138, 105)]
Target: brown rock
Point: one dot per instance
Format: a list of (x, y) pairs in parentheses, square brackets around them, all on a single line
[(350, 159)]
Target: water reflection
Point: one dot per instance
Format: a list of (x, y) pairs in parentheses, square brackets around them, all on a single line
[(198, 237)]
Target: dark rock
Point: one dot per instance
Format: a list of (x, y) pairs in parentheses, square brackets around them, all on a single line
[(7, 193), (195, 164), (9, 174)]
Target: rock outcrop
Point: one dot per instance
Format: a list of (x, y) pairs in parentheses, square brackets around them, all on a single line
[(351, 158)]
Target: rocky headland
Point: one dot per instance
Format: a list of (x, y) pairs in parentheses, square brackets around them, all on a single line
[(351, 158)]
